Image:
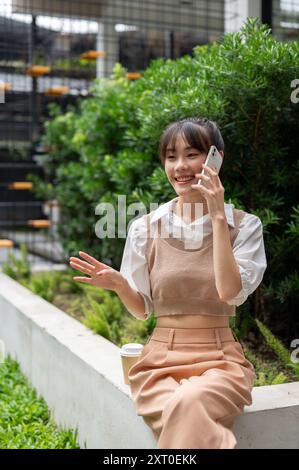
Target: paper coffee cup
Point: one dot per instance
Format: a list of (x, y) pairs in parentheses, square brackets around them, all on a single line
[(129, 353)]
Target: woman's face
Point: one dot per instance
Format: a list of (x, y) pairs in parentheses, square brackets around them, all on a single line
[(183, 162)]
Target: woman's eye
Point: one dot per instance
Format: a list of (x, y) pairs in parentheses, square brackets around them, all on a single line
[(189, 155)]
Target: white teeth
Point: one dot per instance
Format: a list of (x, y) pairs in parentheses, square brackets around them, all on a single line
[(189, 178)]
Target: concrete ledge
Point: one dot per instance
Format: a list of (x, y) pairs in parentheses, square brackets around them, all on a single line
[(79, 374)]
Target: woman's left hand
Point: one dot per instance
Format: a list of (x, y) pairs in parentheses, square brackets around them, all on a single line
[(212, 190)]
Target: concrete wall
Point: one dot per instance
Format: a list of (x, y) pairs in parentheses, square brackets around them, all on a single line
[(79, 374)]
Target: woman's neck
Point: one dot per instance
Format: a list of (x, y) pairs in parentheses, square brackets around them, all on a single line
[(190, 209)]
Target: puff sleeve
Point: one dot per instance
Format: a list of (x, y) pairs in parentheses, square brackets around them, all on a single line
[(249, 253), (134, 266)]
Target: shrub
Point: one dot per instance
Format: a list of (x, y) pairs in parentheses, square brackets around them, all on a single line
[(277, 347), (18, 267)]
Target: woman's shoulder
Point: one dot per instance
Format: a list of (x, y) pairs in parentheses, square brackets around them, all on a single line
[(244, 218)]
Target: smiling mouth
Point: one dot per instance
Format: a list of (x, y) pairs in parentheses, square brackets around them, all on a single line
[(184, 180)]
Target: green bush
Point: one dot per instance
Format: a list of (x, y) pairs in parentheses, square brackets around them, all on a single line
[(277, 347), (96, 318), (18, 267), (108, 146), (25, 421), (265, 374)]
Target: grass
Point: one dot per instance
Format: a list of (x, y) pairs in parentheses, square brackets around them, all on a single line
[(25, 421)]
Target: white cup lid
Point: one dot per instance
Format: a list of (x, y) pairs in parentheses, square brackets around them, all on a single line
[(131, 349)]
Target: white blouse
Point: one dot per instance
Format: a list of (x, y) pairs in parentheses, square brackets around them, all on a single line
[(248, 250)]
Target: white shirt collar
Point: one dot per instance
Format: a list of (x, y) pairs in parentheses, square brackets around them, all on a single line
[(167, 207)]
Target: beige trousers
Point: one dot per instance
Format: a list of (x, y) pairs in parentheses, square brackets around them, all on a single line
[(189, 385)]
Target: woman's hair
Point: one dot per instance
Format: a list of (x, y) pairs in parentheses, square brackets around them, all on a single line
[(200, 133)]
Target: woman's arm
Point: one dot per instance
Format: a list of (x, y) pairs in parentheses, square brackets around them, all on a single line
[(249, 253), (230, 275), (132, 300), (134, 268), (227, 274)]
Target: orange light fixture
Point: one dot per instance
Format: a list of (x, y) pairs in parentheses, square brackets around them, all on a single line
[(57, 91), (92, 55), (39, 223), (5, 86), (133, 75), (4, 243), (38, 70), (20, 185)]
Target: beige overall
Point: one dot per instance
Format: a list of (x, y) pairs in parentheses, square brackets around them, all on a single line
[(190, 383)]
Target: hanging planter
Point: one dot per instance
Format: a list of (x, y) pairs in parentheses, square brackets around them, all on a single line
[(133, 75), (39, 223), (38, 70), (5, 243), (57, 91), (92, 55), (21, 185)]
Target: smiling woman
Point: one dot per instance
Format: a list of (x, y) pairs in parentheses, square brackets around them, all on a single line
[(193, 373)]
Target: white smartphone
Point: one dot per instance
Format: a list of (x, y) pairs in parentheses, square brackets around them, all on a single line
[(213, 161)]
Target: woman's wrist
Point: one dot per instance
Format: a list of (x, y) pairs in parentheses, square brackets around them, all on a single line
[(123, 285), (132, 299), (219, 218)]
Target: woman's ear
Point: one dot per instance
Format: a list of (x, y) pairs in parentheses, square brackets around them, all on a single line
[(221, 153)]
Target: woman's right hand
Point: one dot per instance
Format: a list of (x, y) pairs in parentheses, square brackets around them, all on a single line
[(101, 275)]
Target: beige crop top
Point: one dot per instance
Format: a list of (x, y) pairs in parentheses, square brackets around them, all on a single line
[(183, 281)]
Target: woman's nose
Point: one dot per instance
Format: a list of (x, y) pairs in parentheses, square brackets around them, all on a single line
[(181, 165)]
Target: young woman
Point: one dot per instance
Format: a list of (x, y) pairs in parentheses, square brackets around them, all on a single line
[(191, 261)]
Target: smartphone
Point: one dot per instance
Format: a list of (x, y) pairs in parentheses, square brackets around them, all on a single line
[(213, 161)]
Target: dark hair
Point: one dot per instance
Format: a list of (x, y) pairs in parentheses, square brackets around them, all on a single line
[(200, 133)]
